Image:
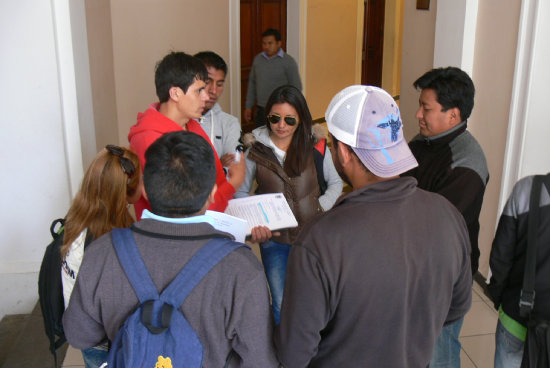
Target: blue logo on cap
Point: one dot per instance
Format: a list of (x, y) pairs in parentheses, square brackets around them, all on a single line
[(394, 124)]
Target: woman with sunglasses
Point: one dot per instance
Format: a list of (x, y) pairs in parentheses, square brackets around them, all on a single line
[(110, 185), (282, 159)]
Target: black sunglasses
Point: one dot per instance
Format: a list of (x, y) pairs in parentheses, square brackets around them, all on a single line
[(289, 120), (127, 165)]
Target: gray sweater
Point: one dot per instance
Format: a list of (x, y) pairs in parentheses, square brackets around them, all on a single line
[(228, 309), (223, 129), (268, 74), (371, 282)]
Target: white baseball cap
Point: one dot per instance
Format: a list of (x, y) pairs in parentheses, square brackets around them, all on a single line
[(367, 119)]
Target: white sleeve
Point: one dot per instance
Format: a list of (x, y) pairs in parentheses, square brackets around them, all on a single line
[(249, 178), (334, 183), (231, 134)]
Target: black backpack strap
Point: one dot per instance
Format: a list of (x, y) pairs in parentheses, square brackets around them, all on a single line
[(54, 230), (319, 151), (527, 296), (50, 293)]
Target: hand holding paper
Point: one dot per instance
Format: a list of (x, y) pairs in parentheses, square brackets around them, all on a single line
[(270, 210)]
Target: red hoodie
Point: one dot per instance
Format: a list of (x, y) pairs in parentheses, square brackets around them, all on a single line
[(151, 124)]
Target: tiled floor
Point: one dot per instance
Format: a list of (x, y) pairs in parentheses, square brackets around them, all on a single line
[(477, 335), (478, 332)]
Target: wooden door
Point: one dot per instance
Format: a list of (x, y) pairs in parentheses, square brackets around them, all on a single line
[(256, 17), (373, 41)]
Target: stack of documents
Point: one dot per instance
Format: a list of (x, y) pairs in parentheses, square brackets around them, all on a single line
[(271, 210)]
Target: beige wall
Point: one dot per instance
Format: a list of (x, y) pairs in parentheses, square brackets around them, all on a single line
[(494, 61), (393, 39), (417, 58), (332, 56), (142, 33)]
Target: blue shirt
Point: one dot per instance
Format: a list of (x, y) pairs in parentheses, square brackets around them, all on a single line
[(279, 53), (179, 220)]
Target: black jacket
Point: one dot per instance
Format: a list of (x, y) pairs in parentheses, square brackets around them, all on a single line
[(509, 250), (453, 165)]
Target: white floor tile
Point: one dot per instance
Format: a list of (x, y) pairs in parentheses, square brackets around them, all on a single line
[(73, 358), (480, 320), (480, 349), (465, 361), (475, 296)]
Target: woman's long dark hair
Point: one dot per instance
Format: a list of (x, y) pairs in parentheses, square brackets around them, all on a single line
[(300, 151)]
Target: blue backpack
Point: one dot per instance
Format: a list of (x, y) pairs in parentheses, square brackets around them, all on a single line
[(157, 334)]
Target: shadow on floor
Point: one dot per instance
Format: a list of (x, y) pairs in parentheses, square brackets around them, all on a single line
[(23, 342)]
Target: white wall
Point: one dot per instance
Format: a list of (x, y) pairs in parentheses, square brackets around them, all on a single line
[(455, 32), (36, 184), (527, 148), (82, 81)]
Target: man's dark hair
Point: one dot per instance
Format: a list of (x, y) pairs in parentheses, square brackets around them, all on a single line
[(272, 32), (177, 69), (336, 142), (179, 174), (210, 58), (454, 88)]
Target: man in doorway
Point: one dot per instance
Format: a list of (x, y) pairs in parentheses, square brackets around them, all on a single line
[(229, 309), (223, 129), (371, 282), (270, 69), (180, 81), (451, 163)]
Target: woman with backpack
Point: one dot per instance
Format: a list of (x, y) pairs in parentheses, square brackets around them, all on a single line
[(286, 157), (110, 185)]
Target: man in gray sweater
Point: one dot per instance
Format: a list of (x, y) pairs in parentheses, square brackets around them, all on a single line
[(223, 129), (270, 69), (229, 308), (371, 282)]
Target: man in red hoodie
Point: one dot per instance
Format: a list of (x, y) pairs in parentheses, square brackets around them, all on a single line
[(180, 81)]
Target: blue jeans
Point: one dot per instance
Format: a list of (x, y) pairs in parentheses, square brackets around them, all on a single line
[(509, 349), (447, 347), (274, 257), (94, 357)]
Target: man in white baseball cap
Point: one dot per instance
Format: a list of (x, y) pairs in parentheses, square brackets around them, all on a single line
[(371, 282)]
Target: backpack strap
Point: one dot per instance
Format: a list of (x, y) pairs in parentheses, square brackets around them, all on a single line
[(527, 296), (319, 151), (321, 146), (198, 266), (54, 229), (133, 265), (176, 292)]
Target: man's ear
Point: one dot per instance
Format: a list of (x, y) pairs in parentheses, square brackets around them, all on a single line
[(144, 192), (175, 93), (454, 115), (344, 154), (213, 193)]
